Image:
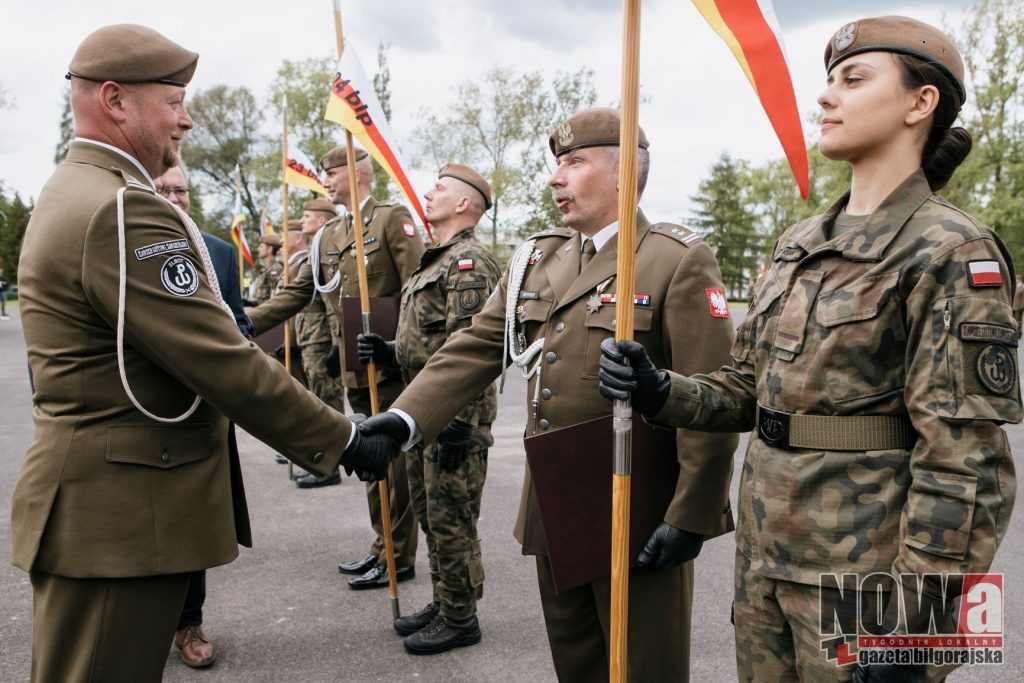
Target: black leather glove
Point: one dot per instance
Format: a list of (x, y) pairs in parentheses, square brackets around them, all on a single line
[(374, 348), (377, 441), (249, 303), (668, 547), (279, 352), (639, 382), (453, 445), (889, 673), (332, 363)]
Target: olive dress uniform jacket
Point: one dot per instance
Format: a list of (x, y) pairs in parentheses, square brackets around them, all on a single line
[(106, 491), (907, 315), (676, 271), (392, 250)]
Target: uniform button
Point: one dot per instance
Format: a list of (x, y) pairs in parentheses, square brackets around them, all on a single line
[(545, 394), (559, 327), (551, 357), (165, 457), (543, 424), (317, 457)]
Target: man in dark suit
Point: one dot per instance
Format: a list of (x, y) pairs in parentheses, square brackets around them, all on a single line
[(197, 650)]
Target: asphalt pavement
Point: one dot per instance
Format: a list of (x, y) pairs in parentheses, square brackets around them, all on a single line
[(282, 612)]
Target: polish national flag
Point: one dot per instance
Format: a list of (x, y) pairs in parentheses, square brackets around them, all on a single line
[(985, 273)]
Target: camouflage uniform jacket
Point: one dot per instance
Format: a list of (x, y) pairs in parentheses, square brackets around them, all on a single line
[(312, 325), (885, 319), (266, 281), (452, 283)]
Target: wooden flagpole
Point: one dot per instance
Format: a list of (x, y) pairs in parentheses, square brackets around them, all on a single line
[(622, 412), (364, 304)]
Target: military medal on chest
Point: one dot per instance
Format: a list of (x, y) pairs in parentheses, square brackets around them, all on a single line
[(595, 302)]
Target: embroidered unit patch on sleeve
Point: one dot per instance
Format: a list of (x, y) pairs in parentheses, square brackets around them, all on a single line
[(409, 229), (179, 276), (717, 303), (984, 274)]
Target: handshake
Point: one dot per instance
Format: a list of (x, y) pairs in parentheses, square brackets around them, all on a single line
[(376, 441)]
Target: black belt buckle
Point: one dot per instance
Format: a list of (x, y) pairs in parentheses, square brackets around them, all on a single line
[(773, 427)]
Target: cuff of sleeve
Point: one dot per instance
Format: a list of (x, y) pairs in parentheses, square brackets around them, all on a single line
[(414, 431), (682, 404)]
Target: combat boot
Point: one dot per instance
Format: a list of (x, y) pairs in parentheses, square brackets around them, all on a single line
[(408, 625), (442, 635)]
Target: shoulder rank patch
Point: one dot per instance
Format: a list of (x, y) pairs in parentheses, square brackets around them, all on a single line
[(409, 229), (717, 303), (179, 276), (465, 264), (566, 233), (984, 274), (151, 250), (677, 232)]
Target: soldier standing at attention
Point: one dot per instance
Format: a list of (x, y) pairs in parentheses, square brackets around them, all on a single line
[(392, 250), (876, 363), (446, 478), (273, 267), (132, 479), (313, 333), (549, 315)]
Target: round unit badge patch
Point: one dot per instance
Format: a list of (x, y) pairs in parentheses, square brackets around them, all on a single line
[(995, 369), (469, 299), (179, 276)]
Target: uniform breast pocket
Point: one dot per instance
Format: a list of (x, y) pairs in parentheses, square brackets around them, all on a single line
[(861, 341), (375, 266), (600, 325), (766, 293)]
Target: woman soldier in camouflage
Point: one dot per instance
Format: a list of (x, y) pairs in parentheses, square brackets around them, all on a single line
[(875, 365)]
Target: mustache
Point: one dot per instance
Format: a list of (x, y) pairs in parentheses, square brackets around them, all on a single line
[(563, 195)]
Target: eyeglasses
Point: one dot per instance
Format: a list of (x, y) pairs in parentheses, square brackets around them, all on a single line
[(168, 191)]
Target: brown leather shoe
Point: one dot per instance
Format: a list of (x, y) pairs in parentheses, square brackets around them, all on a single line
[(196, 650)]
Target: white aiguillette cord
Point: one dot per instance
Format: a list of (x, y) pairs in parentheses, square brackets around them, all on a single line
[(204, 257), (314, 262), (522, 358)]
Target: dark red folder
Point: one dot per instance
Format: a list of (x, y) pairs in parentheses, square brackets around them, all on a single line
[(383, 321), (572, 478)]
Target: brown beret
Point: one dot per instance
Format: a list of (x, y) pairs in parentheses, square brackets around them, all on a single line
[(470, 177), (294, 224), (590, 128), (129, 53), (339, 157), (320, 205), (901, 35), (273, 240)]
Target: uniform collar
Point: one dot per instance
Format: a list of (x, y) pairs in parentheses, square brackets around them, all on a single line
[(81, 148), (868, 242), (604, 235)]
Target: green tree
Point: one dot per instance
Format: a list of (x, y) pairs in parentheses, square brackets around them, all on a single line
[(990, 183), (499, 126), (728, 223), (227, 134), (306, 85), (14, 215), (67, 131), (382, 86)]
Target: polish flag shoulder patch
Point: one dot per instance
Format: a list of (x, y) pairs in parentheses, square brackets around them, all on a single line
[(717, 303), (409, 229), (984, 274), (465, 264)]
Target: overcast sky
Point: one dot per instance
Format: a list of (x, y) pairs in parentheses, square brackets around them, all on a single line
[(698, 101)]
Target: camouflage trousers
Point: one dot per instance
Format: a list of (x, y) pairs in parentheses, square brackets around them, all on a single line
[(447, 505), (327, 389), (779, 630)]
